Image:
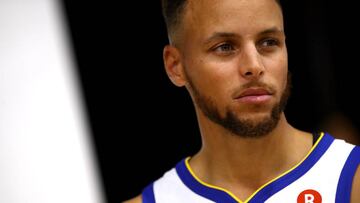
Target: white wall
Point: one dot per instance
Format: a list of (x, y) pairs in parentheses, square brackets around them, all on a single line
[(45, 148)]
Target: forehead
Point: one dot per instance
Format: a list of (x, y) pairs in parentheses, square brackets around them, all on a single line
[(245, 16)]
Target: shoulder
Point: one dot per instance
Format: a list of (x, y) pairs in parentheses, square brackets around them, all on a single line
[(164, 185), (136, 199), (355, 193)]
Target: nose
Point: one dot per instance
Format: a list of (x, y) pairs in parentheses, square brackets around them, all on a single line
[(250, 63)]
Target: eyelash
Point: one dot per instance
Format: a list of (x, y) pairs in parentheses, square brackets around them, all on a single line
[(274, 42), (227, 48)]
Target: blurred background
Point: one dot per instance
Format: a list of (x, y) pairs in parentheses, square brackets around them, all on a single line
[(137, 124)]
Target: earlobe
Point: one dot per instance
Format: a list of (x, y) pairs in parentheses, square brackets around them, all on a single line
[(173, 65)]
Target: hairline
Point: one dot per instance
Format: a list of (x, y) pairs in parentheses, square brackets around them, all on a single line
[(174, 26)]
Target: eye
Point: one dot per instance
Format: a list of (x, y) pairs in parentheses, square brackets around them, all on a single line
[(224, 48), (270, 42)]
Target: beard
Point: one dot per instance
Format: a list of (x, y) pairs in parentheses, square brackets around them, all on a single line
[(245, 128)]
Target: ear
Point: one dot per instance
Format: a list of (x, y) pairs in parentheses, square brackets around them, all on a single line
[(173, 65)]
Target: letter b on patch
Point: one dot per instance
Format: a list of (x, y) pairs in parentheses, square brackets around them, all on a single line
[(309, 196)]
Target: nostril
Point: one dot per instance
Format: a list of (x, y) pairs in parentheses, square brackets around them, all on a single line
[(248, 73)]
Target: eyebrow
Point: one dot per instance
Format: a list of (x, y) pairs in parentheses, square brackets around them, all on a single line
[(217, 35), (272, 31)]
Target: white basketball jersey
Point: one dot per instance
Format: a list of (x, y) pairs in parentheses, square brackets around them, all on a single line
[(324, 175)]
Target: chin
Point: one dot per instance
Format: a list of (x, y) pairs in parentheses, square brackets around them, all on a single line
[(254, 111), (255, 118)]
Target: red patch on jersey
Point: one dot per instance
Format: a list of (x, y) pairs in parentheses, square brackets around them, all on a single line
[(309, 196)]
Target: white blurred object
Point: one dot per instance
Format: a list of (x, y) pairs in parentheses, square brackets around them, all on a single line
[(45, 150)]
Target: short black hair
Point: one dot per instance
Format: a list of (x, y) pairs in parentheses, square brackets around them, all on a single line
[(173, 10)]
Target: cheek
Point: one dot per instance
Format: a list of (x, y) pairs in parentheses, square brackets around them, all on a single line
[(277, 70), (283, 80), (212, 79), (283, 73)]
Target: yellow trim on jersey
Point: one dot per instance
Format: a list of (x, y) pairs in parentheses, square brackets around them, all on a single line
[(288, 171), (253, 194), (209, 185)]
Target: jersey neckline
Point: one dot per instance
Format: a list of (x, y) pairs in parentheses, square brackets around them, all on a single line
[(221, 195)]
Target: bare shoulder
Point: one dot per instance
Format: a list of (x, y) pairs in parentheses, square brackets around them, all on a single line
[(355, 193), (136, 199)]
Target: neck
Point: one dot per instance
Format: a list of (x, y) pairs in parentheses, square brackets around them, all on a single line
[(230, 161)]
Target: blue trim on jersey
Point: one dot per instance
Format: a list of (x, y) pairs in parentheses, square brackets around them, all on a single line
[(207, 192), (343, 192), (148, 194), (296, 173), (266, 192)]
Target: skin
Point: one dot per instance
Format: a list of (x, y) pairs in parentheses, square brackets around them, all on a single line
[(222, 47), (134, 200), (253, 49), (355, 194)]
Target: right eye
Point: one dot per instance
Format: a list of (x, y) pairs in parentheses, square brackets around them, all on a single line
[(225, 48)]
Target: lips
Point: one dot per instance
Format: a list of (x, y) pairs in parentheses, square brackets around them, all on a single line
[(253, 92), (254, 95)]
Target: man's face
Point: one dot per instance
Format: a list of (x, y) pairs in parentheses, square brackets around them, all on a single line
[(235, 61)]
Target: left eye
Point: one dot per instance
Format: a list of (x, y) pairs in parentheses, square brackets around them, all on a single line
[(269, 42)]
